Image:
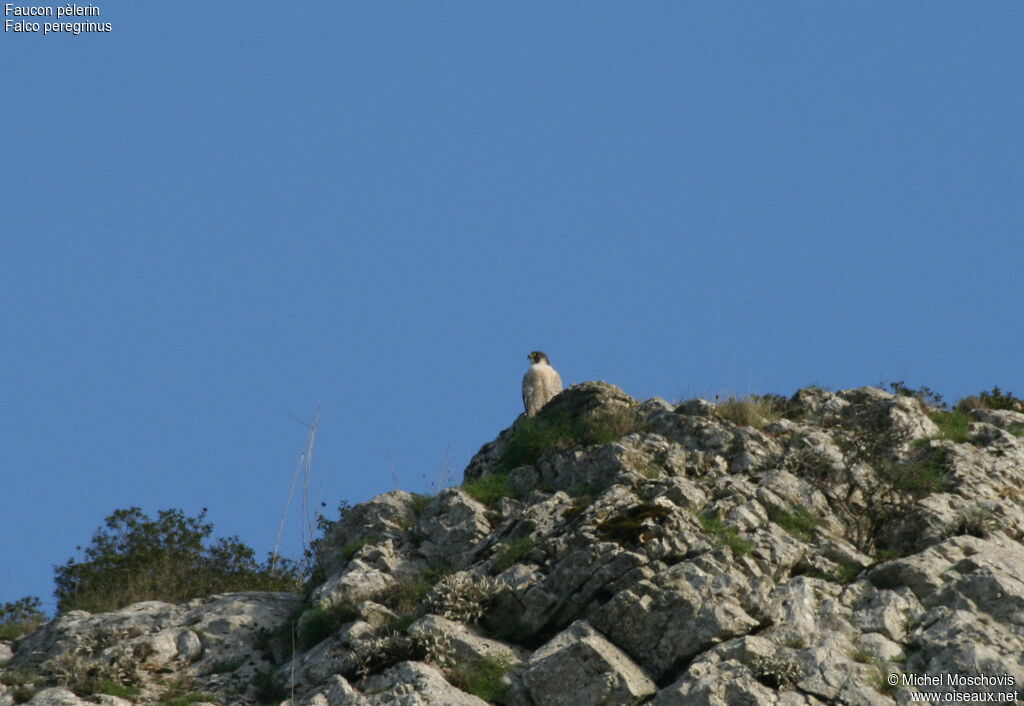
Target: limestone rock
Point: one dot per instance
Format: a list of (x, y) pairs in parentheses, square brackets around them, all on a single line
[(452, 527), (415, 684), (727, 564), (599, 673)]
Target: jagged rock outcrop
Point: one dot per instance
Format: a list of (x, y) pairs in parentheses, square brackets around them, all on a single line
[(611, 551)]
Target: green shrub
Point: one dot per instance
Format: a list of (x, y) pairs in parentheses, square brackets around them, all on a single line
[(352, 548), (533, 436), (1016, 429), (927, 397), (123, 691), (511, 552), (318, 623), (799, 522), (919, 479), (848, 571), (403, 597), (20, 617), (559, 430), (489, 489), (482, 677), (952, 425), (977, 521), (420, 502), (266, 689), (862, 656), (997, 399), (135, 558), (179, 693), (726, 536)]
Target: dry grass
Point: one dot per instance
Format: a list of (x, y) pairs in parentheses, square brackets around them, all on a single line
[(750, 411)]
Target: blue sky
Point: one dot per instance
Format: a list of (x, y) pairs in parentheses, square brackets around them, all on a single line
[(220, 215)]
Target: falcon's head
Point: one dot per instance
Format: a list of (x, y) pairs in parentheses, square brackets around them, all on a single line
[(538, 357)]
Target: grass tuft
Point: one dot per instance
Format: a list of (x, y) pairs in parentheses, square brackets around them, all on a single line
[(482, 677), (489, 489), (750, 411), (798, 522), (512, 552), (558, 430), (952, 425), (726, 536)]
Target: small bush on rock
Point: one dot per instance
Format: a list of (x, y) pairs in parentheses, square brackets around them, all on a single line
[(266, 690), (726, 536), (180, 693), (927, 397), (532, 437), (403, 597), (952, 425), (997, 399), (489, 489), (876, 488), (134, 558), (799, 522), (462, 597), (376, 654), (318, 623), (977, 521), (20, 617), (512, 552)]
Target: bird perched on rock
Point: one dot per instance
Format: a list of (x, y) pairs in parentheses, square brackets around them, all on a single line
[(540, 383)]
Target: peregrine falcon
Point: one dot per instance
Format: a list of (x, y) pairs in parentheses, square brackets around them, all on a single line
[(540, 383)]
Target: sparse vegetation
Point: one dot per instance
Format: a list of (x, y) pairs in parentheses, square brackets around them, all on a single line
[(512, 552), (461, 596), (862, 656), (482, 677), (558, 430), (180, 693), (350, 549), (123, 691), (266, 689), (134, 558), (928, 398), (799, 522), (881, 682), (583, 495), (750, 411), (977, 521), (378, 653), (997, 399), (726, 536), (23, 683), (419, 502), (877, 486), (848, 571), (319, 622), (489, 489), (20, 617), (403, 597), (953, 425)]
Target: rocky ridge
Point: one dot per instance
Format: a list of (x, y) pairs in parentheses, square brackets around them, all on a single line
[(620, 552)]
